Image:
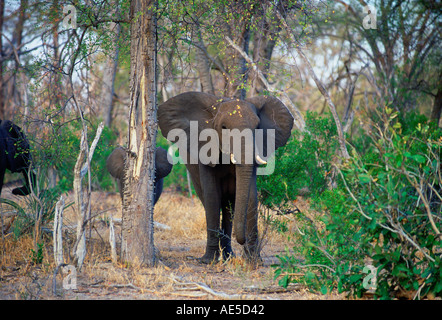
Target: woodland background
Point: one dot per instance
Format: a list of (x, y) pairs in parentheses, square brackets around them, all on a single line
[(380, 89)]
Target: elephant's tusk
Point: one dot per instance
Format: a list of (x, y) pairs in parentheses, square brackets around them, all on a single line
[(232, 158), (259, 160)]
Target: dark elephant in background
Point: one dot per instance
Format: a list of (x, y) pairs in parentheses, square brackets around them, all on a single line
[(229, 187), (15, 155), (115, 166)]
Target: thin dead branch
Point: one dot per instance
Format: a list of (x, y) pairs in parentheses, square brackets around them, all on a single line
[(203, 287), (57, 232), (83, 205), (319, 85)]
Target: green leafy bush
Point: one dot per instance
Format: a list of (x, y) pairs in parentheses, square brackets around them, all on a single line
[(55, 150), (63, 153), (302, 164), (398, 198), (382, 222)]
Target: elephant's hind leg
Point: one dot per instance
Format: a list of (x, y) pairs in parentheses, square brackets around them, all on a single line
[(252, 247), (212, 206)]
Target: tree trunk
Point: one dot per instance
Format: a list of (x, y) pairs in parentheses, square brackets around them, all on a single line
[(82, 199), (264, 41), (18, 92), (137, 230), (55, 94), (298, 119), (437, 106), (203, 66), (2, 91), (234, 64)]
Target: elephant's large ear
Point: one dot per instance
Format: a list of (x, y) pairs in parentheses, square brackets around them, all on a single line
[(115, 162), (177, 112), (162, 165), (183, 111), (274, 114)]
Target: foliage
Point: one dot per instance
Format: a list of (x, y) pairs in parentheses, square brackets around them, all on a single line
[(36, 210), (186, 27), (60, 150), (386, 213), (57, 153), (37, 255), (303, 163)]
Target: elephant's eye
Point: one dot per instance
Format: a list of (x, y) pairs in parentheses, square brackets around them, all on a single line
[(223, 127)]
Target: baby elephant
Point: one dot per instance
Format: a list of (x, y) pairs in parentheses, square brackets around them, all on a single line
[(115, 166)]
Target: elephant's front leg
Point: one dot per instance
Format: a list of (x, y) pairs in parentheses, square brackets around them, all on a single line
[(212, 205), (226, 235), (252, 246), (2, 175)]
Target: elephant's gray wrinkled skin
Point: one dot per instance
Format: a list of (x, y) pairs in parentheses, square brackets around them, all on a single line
[(15, 155), (115, 166), (223, 187)]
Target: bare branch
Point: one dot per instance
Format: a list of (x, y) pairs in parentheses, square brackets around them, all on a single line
[(319, 85)]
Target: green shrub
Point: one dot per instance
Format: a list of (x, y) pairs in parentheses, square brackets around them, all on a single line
[(303, 163), (57, 151), (398, 199), (64, 158), (385, 215)]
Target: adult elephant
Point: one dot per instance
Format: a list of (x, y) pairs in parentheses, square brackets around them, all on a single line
[(15, 155), (225, 185), (115, 166)]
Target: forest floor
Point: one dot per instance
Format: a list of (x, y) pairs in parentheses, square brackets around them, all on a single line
[(180, 240)]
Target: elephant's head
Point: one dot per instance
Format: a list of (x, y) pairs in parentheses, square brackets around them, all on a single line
[(116, 161), (211, 112)]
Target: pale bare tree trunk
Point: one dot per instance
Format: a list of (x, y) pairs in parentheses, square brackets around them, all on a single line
[(163, 78), (57, 232), (137, 230), (112, 241), (79, 250)]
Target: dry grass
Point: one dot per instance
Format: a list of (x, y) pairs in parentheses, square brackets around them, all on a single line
[(178, 274), (183, 215)]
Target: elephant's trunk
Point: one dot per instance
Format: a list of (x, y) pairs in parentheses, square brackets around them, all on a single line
[(244, 176)]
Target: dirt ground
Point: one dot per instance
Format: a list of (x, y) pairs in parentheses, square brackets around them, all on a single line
[(179, 240)]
